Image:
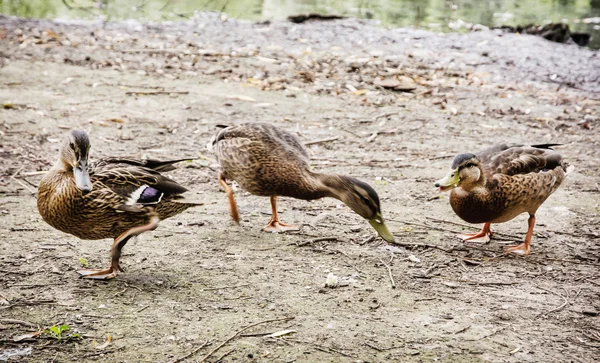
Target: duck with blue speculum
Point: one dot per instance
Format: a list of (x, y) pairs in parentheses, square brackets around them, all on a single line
[(502, 182), (115, 198)]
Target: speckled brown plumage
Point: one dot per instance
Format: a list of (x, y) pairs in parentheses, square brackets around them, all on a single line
[(112, 198), (100, 213), (269, 161), (499, 183)]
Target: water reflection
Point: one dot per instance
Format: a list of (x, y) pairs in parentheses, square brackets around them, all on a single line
[(431, 14)]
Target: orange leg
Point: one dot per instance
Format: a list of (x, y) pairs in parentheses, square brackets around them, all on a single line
[(118, 244), (523, 248), (232, 206), (274, 224), (481, 237)]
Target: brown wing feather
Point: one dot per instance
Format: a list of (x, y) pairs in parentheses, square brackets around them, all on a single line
[(115, 162), (515, 160), (264, 133), (263, 159)]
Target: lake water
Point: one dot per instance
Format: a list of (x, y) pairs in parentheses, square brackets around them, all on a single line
[(437, 15)]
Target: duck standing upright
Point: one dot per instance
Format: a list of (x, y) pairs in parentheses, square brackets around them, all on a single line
[(269, 161), (115, 198), (498, 184)]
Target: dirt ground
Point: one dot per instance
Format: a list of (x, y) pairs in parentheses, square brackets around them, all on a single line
[(158, 90)]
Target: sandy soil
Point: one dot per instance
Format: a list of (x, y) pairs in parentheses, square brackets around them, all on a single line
[(199, 278)]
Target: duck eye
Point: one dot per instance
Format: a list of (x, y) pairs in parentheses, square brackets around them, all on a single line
[(72, 145)]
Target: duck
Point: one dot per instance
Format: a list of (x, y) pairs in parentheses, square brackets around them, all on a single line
[(114, 197), (502, 182), (269, 161)]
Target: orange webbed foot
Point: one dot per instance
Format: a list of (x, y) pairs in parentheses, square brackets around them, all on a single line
[(522, 249), (277, 227)]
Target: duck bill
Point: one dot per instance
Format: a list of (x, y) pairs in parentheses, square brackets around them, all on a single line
[(450, 181), (82, 178), (381, 228)]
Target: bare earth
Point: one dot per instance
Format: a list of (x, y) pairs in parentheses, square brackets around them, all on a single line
[(158, 91)]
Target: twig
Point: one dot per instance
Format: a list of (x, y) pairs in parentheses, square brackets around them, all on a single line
[(403, 244), (23, 184), (176, 360), (151, 93), (462, 330), (142, 309), (314, 240), (16, 321), (328, 139), (387, 114), (373, 346), (224, 287), (238, 333), (330, 350), (566, 301), (389, 273), (224, 355)]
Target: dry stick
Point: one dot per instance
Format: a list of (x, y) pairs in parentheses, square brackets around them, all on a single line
[(225, 355), (16, 321), (321, 141), (176, 360), (151, 93), (422, 245), (238, 333), (330, 350), (224, 287), (23, 184), (557, 308), (314, 240), (373, 346), (389, 273)]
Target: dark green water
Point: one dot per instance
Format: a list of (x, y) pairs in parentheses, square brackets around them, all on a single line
[(438, 15)]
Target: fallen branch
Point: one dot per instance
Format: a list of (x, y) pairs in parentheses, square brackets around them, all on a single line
[(425, 245), (313, 142), (389, 272), (566, 301), (20, 322), (152, 93), (238, 333), (314, 240), (225, 287), (176, 360)]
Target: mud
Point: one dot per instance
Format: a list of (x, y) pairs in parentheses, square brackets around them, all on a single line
[(158, 90)]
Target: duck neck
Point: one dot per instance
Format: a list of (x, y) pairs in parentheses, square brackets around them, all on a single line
[(329, 185)]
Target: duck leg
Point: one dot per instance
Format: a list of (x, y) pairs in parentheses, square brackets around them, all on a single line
[(232, 205), (118, 244), (523, 248), (274, 224), (480, 237)]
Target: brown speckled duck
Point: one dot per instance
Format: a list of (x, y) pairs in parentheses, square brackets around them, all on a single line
[(271, 162), (113, 198), (498, 184)]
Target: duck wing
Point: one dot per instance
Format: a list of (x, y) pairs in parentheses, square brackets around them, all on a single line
[(131, 188), (519, 159), (266, 134), (158, 165)]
